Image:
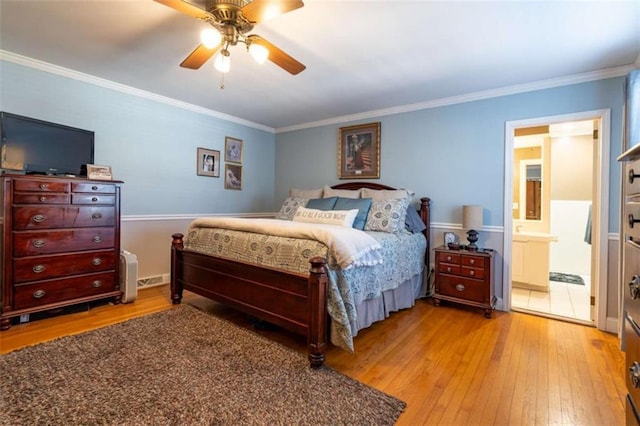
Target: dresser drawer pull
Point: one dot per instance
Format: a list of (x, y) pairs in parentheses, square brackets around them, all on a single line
[(96, 239), (94, 199), (38, 294), (448, 258), (634, 287), (96, 284), (96, 216), (38, 243), (43, 199), (460, 287), (39, 218), (38, 269), (43, 186), (94, 188), (96, 261), (632, 175), (472, 261), (632, 220), (634, 374), (448, 268), (472, 273)]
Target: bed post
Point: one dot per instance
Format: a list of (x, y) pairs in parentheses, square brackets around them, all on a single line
[(176, 268), (425, 215), (317, 293)]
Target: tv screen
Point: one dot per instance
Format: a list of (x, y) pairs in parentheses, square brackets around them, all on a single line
[(36, 146)]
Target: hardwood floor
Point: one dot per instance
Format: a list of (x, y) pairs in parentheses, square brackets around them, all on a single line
[(450, 364)]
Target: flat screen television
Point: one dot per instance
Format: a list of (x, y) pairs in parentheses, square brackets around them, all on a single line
[(39, 147)]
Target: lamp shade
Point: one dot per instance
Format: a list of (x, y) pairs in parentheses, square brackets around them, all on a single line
[(472, 217)]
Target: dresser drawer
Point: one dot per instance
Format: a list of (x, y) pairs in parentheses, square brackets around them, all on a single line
[(631, 283), (33, 243), (632, 221), (464, 288), (632, 362), (43, 217), (59, 290), (447, 257), (93, 199), (448, 268), (467, 271), (45, 267), (633, 183), (41, 198), (472, 261), (93, 187), (36, 185)]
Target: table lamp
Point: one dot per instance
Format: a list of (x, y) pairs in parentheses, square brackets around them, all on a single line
[(472, 220)]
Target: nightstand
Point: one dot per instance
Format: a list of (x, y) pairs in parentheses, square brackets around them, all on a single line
[(464, 276)]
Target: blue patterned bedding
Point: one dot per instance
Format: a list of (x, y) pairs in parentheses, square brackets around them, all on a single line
[(403, 255)]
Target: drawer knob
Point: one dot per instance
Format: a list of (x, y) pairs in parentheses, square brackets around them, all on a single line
[(39, 218), (96, 261), (94, 199), (96, 284), (43, 186), (96, 239), (448, 268), (472, 261), (632, 220), (449, 258), (43, 199), (634, 287), (38, 269), (96, 216), (632, 175), (38, 243), (460, 287), (472, 273), (94, 188), (39, 294), (634, 374)]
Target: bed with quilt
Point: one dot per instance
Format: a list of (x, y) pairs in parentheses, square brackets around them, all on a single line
[(332, 262)]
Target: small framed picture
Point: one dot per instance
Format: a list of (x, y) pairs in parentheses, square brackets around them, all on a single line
[(232, 176), (450, 238), (208, 162), (99, 172), (232, 150)]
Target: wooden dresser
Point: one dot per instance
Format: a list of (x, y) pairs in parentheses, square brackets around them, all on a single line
[(630, 257), (465, 277), (60, 243)]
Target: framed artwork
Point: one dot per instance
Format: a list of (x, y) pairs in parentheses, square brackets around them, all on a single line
[(232, 150), (208, 162), (98, 172), (232, 176), (359, 152)]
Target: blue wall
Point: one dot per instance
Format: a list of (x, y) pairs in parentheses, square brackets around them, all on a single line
[(453, 154), (150, 145)]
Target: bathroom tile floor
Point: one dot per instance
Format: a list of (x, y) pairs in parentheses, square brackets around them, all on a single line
[(564, 301)]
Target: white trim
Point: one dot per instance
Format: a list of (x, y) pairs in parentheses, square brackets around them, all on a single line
[(187, 216), (87, 78), (470, 97), (601, 193)]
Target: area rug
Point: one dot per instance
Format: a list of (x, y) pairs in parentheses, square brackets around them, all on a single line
[(566, 278), (180, 367)]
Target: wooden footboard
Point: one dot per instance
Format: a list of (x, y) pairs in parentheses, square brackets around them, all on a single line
[(291, 301)]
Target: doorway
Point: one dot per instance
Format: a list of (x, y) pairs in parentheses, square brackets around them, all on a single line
[(556, 216)]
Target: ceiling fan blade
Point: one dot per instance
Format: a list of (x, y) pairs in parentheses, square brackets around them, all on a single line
[(261, 10), (278, 56), (187, 8), (198, 57)]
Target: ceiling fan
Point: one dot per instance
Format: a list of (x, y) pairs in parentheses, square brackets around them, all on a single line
[(232, 20)]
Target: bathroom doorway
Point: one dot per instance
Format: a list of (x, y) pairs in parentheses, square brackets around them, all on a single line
[(555, 173)]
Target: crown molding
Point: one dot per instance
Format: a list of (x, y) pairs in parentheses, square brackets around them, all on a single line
[(87, 78), (470, 97)]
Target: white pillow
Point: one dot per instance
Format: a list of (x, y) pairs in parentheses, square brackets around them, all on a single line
[(344, 193), (330, 217), (384, 194), (305, 193)]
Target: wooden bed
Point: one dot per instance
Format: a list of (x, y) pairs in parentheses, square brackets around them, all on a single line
[(294, 302)]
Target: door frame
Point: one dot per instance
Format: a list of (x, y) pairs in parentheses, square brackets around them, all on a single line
[(599, 214)]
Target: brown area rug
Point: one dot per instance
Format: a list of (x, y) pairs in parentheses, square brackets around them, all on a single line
[(180, 367)]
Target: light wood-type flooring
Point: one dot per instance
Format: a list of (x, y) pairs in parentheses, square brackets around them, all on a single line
[(450, 364)]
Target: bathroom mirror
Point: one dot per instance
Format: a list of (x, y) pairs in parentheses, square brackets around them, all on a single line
[(533, 192)]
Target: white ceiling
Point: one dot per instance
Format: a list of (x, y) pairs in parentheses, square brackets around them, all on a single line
[(360, 55)]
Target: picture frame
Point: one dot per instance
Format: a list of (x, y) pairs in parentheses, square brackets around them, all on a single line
[(233, 176), (208, 162), (450, 238), (359, 151), (232, 150), (95, 171)]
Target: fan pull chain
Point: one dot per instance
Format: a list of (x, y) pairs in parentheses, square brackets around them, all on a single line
[(221, 81)]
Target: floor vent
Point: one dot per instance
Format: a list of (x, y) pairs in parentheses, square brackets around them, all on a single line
[(152, 281)]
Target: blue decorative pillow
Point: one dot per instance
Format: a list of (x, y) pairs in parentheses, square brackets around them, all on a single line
[(413, 222), (322, 203), (362, 204)]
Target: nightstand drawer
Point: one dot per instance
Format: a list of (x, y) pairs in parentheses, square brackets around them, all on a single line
[(467, 271), (463, 288), (448, 257), (473, 261), (448, 268)]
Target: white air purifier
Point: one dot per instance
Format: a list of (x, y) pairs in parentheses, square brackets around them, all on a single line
[(128, 276)]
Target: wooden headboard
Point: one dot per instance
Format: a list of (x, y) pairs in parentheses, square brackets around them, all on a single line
[(424, 210)]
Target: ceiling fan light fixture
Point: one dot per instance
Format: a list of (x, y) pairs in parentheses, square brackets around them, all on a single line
[(210, 38), (222, 62), (259, 53)]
